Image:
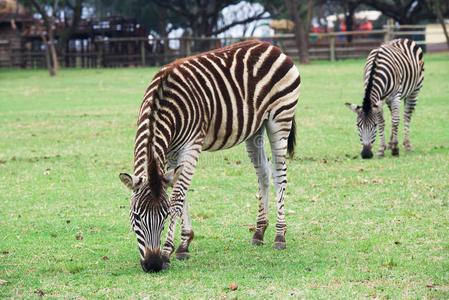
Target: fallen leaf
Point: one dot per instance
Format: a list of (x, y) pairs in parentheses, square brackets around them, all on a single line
[(39, 292), (67, 221), (238, 162), (252, 228), (2, 282), (361, 170), (5, 252), (397, 242), (105, 258), (53, 235), (79, 237), (233, 286)]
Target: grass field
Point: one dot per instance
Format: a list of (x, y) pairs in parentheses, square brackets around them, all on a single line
[(377, 228)]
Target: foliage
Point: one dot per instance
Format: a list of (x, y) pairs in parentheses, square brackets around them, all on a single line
[(356, 229)]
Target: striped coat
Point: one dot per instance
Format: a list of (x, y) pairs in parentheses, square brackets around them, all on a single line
[(211, 101), (393, 72)]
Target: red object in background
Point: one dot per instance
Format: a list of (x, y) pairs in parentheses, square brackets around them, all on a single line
[(342, 27), (368, 26)]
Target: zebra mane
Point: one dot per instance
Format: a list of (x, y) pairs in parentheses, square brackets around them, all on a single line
[(366, 106), (155, 180)]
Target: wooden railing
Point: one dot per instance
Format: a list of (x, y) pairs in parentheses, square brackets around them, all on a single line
[(145, 52)]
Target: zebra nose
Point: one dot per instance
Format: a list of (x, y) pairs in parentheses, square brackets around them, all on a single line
[(366, 152), (152, 264), (152, 261)]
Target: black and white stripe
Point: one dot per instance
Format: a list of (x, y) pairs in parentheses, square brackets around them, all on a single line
[(212, 101), (394, 71)]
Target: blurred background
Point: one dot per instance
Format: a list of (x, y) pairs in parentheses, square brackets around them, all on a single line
[(114, 33)]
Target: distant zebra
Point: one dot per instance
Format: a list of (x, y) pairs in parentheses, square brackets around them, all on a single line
[(210, 101), (394, 71)]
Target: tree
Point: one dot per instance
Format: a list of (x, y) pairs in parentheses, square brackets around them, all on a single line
[(403, 11), (72, 17), (437, 6), (301, 33), (203, 16), (48, 18)]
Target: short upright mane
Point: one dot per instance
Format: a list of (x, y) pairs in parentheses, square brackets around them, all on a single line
[(366, 100)]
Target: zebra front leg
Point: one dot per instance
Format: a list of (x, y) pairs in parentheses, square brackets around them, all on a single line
[(186, 234), (381, 124), (278, 135), (256, 152), (177, 198), (395, 117), (410, 103)]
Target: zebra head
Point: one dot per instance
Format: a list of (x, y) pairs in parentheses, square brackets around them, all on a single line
[(148, 211), (367, 127)]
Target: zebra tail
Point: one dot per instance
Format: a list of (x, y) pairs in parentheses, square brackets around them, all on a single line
[(291, 142)]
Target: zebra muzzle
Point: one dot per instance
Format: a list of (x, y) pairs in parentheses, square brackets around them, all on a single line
[(152, 261), (366, 152)]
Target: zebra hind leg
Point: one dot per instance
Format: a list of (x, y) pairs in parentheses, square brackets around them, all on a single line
[(186, 234), (256, 152), (410, 103), (278, 134)]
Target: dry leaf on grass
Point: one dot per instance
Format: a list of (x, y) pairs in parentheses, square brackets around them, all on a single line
[(2, 282), (233, 286)]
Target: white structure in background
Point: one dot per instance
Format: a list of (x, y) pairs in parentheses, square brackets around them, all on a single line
[(368, 15), (232, 13)]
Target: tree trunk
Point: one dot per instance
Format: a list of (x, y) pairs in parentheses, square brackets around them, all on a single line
[(437, 8), (349, 19), (50, 54), (54, 56), (301, 36), (47, 53)]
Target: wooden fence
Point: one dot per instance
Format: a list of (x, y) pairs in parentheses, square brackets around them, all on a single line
[(135, 51)]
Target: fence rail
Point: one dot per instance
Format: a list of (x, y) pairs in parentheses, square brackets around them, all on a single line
[(138, 51)]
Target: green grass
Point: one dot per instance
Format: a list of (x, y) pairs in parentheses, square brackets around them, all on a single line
[(356, 229)]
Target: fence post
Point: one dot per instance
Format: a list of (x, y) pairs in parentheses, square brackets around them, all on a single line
[(188, 46), (389, 30), (332, 48), (100, 55), (10, 54), (142, 52)]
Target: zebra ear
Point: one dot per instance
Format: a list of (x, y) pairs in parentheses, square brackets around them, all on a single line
[(172, 176), (130, 181), (353, 107)]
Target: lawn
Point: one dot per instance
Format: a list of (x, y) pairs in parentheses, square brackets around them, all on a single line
[(356, 228)]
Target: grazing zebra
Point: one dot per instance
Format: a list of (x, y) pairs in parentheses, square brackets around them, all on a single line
[(392, 72), (210, 101)]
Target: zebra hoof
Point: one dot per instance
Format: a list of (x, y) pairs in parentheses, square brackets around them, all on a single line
[(395, 152), (279, 242), (256, 242), (182, 255), (280, 245)]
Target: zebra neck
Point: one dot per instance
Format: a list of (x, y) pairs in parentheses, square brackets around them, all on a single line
[(152, 142)]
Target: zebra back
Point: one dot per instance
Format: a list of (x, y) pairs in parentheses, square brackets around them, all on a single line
[(394, 67)]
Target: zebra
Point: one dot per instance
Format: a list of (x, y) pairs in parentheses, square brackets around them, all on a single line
[(394, 71), (208, 102)]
